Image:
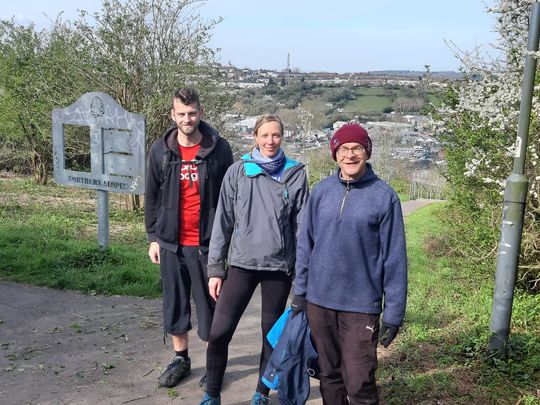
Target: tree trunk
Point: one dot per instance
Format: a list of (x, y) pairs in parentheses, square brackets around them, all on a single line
[(39, 168)]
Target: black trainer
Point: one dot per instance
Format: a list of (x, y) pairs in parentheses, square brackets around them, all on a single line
[(177, 370)]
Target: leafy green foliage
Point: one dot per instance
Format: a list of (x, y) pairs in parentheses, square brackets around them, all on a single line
[(477, 161), (34, 79), (140, 51), (137, 51), (320, 166), (478, 122)]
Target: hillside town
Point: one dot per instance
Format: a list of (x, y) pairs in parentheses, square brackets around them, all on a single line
[(411, 140), (407, 137)]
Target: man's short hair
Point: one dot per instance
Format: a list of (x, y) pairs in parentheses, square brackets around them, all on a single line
[(187, 96)]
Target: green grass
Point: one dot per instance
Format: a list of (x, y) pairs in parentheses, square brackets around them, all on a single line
[(441, 354), (371, 100), (368, 100), (373, 91), (48, 237), (368, 104)]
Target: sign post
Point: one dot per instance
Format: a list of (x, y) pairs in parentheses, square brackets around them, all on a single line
[(117, 151)]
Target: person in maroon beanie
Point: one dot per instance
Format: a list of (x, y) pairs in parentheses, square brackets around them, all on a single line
[(351, 266)]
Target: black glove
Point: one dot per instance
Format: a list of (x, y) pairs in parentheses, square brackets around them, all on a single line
[(298, 304), (387, 333)]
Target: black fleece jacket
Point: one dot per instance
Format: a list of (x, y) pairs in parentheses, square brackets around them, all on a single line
[(161, 203)]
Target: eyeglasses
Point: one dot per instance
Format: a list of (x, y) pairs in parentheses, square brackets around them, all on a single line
[(356, 151)]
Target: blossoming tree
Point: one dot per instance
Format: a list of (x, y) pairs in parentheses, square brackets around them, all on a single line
[(478, 124)]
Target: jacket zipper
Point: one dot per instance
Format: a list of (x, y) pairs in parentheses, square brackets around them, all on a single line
[(343, 201), (285, 194)]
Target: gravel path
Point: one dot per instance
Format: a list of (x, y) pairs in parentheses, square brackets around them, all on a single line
[(409, 206), (63, 347)]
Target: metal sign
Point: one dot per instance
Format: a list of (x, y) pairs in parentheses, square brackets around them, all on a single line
[(117, 142)]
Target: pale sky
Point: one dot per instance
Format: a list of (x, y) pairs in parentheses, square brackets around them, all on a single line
[(334, 36)]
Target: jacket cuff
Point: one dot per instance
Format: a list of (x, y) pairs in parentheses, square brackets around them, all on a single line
[(217, 270), (392, 320), (299, 291)]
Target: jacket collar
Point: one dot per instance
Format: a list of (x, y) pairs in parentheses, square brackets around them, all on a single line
[(368, 177), (253, 169)]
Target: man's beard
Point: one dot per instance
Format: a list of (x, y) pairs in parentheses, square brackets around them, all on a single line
[(188, 130)]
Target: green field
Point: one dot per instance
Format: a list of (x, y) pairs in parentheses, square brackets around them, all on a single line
[(48, 237), (363, 104), (368, 104)]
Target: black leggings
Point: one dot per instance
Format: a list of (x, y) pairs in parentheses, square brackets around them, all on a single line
[(236, 292)]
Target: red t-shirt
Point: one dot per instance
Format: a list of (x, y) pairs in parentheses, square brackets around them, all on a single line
[(189, 201)]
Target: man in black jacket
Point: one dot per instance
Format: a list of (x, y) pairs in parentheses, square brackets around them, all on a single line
[(185, 170)]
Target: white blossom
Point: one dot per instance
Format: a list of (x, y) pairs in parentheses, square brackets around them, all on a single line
[(491, 94)]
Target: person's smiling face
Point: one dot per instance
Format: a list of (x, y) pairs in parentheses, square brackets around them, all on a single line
[(186, 117), (352, 159), (268, 138)]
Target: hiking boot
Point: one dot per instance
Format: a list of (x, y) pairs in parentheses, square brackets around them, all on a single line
[(208, 400), (259, 399), (202, 383), (177, 370)]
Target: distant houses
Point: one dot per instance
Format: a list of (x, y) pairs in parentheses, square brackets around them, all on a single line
[(407, 140), (242, 78), (406, 137)]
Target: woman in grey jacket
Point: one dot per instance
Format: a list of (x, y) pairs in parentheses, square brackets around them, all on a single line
[(253, 242)]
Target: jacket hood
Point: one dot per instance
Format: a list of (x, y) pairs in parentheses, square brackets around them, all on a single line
[(209, 140)]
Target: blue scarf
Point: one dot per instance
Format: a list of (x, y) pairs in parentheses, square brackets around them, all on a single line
[(273, 166)]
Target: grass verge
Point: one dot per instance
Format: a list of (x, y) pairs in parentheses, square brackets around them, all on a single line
[(441, 354), (48, 237)]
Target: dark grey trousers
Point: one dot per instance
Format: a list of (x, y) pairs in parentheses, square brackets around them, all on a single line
[(182, 274), (347, 346)]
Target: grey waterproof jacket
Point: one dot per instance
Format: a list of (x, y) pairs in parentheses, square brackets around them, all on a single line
[(257, 218)]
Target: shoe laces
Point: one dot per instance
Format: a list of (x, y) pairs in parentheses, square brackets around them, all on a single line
[(174, 363)]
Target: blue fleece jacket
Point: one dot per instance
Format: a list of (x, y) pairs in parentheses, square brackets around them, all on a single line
[(351, 253)]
